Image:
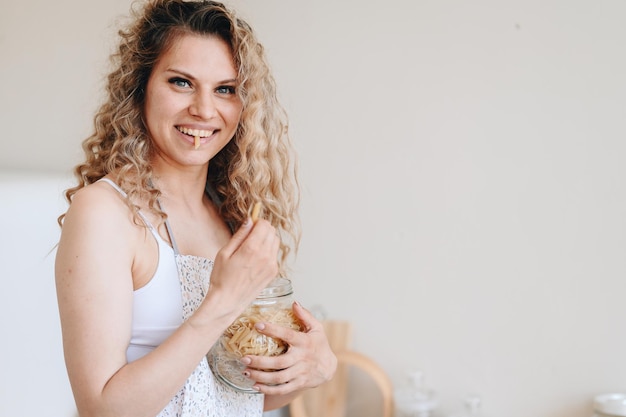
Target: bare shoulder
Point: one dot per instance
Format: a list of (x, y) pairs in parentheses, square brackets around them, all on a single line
[(98, 219), (99, 196), (97, 204)]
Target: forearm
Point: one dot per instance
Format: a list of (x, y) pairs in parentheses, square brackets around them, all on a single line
[(145, 386)]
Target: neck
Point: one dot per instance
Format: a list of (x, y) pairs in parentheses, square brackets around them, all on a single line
[(181, 185)]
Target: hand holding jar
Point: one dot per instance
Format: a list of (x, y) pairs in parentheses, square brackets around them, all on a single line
[(241, 338)]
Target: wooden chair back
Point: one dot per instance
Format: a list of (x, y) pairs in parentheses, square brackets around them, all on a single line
[(329, 399)]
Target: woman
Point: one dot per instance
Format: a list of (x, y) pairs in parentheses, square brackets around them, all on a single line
[(191, 136)]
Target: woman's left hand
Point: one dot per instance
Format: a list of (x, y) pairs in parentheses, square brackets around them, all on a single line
[(308, 362)]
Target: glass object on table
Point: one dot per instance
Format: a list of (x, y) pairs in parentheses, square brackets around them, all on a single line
[(416, 400), (471, 407), (609, 405)]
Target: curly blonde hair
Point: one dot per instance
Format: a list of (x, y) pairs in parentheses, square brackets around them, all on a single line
[(258, 164)]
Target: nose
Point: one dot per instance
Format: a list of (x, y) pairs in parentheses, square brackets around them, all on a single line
[(203, 106)]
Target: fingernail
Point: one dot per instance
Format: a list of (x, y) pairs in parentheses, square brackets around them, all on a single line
[(256, 388), (245, 360), (260, 326), (246, 374), (247, 223)]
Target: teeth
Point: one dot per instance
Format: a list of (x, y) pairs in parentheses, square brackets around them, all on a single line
[(195, 132)]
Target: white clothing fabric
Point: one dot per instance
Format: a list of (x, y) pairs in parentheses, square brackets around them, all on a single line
[(157, 306), (175, 291)]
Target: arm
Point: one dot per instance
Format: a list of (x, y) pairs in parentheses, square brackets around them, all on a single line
[(308, 363), (95, 260)]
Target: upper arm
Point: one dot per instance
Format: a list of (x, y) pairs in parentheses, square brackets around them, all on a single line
[(94, 288)]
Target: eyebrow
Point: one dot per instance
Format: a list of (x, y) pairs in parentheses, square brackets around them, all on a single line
[(192, 78)]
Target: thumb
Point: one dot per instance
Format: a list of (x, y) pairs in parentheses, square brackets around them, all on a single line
[(237, 239), (307, 318)]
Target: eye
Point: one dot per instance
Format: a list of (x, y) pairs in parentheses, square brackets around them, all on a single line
[(179, 82), (225, 89)]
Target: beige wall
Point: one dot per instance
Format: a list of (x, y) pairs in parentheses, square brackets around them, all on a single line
[(461, 164)]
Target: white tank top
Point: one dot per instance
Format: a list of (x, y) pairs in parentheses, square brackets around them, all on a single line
[(172, 295), (157, 306)]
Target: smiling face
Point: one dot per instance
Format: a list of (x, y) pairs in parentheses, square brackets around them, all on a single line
[(192, 108)]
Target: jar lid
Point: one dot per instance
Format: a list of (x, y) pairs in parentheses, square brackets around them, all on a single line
[(277, 288), (613, 404)]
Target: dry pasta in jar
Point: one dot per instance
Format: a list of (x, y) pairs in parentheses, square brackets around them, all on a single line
[(273, 305)]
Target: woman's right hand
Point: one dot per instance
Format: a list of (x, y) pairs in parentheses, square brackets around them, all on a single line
[(242, 269)]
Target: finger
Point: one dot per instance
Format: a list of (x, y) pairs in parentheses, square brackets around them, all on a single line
[(270, 363), (290, 336), (269, 377), (259, 234), (276, 382), (280, 385), (307, 318), (238, 238), (280, 389)]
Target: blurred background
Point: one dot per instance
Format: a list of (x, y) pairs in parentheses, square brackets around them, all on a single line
[(462, 172)]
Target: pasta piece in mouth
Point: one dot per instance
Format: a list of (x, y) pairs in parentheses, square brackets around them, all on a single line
[(196, 142)]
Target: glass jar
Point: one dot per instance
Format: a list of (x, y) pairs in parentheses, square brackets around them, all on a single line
[(610, 405), (273, 305)]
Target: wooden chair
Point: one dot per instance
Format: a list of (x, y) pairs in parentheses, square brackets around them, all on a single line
[(329, 399)]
